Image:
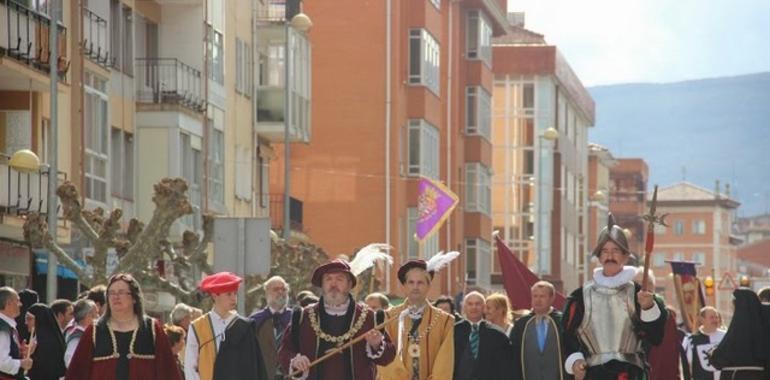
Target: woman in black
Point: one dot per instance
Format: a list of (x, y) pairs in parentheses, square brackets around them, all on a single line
[(48, 355), (743, 352)]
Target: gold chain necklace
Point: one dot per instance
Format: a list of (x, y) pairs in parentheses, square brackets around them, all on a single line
[(414, 341), (316, 325)]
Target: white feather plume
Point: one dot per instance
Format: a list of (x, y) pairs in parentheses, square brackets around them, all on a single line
[(367, 256), (441, 260)]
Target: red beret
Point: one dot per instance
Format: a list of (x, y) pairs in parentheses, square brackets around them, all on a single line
[(222, 282), (334, 266), (411, 264)]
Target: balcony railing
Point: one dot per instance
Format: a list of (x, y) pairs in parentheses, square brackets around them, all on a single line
[(276, 213), (95, 42), (275, 10), (168, 81), (22, 193), (24, 36)]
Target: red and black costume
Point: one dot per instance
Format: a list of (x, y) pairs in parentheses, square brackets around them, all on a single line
[(104, 354)]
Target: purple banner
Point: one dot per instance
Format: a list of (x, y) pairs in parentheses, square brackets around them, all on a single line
[(435, 203)]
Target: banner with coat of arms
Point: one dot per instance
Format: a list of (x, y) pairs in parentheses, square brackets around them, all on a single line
[(435, 203)]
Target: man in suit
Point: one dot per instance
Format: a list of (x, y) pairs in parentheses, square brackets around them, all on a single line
[(271, 323), (536, 338), (482, 351)]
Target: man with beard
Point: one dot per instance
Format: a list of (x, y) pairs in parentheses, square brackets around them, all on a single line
[(607, 320), (222, 345), (333, 321), (271, 323), (424, 333)]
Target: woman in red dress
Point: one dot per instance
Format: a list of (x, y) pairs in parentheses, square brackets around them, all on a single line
[(124, 344)]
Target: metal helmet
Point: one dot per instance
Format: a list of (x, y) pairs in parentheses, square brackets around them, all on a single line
[(612, 233)]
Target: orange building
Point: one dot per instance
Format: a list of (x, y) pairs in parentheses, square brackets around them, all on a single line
[(541, 117), (699, 222), (628, 189), (401, 89)]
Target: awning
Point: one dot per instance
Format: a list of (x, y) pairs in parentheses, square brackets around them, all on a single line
[(41, 265)]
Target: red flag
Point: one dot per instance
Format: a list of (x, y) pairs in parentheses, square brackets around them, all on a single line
[(518, 279)]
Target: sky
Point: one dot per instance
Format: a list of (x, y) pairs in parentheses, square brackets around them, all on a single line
[(622, 41)]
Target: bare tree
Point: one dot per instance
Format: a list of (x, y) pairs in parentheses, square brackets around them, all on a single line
[(138, 247)]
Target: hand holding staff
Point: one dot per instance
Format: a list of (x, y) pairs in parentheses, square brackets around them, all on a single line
[(344, 346)]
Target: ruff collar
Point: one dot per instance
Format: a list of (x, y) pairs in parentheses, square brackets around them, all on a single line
[(625, 276)]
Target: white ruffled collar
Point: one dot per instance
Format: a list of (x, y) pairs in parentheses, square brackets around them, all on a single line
[(625, 276)]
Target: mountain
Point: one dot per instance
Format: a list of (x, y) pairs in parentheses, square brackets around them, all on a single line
[(702, 130)]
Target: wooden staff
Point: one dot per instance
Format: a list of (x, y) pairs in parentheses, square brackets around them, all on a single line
[(30, 346), (341, 348)]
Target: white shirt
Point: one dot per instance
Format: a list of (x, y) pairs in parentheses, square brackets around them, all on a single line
[(7, 364), (219, 325)]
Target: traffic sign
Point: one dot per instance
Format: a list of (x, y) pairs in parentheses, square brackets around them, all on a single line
[(727, 282)]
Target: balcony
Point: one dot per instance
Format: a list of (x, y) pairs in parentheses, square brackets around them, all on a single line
[(95, 38), (276, 213), (271, 89), (22, 193), (274, 11), (24, 37), (168, 81)]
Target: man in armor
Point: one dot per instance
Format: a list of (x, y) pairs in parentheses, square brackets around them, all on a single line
[(607, 321)]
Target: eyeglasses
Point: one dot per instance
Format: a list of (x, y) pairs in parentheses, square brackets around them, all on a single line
[(118, 293)]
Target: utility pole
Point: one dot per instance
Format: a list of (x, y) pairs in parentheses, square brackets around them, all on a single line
[(53, 154)]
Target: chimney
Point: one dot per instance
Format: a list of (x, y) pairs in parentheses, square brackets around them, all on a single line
[(516, 19), (716, 191), (727, 190)]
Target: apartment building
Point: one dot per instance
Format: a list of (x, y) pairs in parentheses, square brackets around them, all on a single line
[(541, 117), (700, 223), (149, 89), (402, 89)]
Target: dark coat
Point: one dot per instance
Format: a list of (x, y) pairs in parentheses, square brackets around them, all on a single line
[(266, 336), (517, 335), (239, 356), (494, 359)]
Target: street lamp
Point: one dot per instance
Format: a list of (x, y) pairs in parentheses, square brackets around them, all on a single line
[(302, 23), (24, 161), (543, 256)]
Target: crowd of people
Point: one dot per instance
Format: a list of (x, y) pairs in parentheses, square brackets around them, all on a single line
[(611, 328)]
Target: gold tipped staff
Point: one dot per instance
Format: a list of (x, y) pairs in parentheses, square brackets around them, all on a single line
[(652, 219), (343, 347)]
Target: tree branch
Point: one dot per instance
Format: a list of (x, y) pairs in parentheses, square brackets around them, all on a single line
[(37, 236)]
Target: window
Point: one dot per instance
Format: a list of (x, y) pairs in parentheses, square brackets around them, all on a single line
[(479, 38), (478, 112), (122, 164), (192, 166), (477, 188), (216, 55), (216, 156), (436, 3), (699, 227), (678, 256), (429, 246), (478, 261), (423, 149), (97, 138), (263, 168), (122, 49), (699, 257), (679, 228), (243, 77), (659, 260), (424, 56)]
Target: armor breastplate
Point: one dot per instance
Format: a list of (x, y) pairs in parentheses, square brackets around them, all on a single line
[(607, 330)]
